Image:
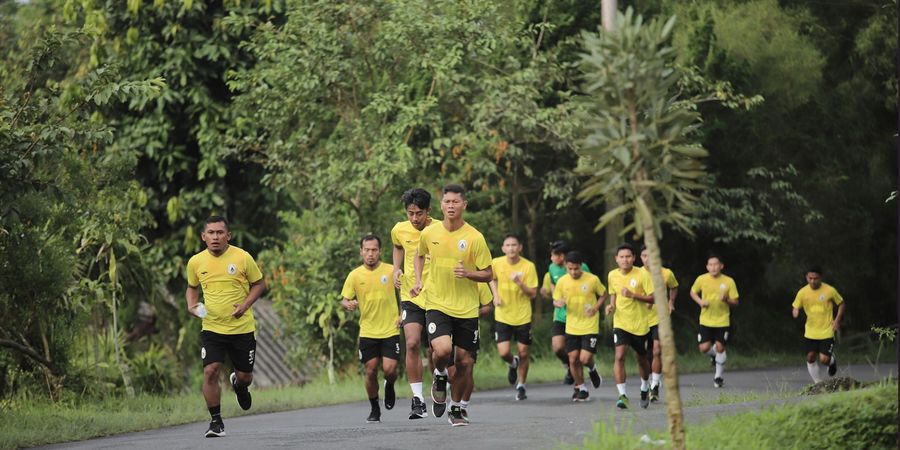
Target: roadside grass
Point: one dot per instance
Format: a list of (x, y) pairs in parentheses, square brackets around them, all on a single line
[(857, 419)]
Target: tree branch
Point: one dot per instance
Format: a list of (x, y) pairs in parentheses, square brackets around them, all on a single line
[(29, 352)]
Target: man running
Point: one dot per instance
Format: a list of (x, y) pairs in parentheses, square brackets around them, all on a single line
[(653, 320), (460, 259), (582, 294), (368, 288), (514, 286), (716, 294), (231, 283), (405, 237), (485, 297), (818, 300), (630, 290)]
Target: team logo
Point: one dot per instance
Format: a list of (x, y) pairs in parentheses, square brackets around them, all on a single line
[(232, 269), (723, 287), (821, 297), (584, 288), (252, 356), (461, 245), (633, 283), (202, 352), (403, 315), (432, 327), (384, 279)]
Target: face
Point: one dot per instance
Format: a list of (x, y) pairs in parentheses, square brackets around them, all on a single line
[(370, 252), (557, 258), (814, 279), (453, 205), (625, 259), (216, 236), (418, 217), (511, 247), (645, 257), (714, 266), (574, 270)]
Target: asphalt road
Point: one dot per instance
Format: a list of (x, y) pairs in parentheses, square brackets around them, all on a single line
[(547, 419)]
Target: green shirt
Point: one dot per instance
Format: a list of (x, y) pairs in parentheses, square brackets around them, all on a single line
[(556, 272)]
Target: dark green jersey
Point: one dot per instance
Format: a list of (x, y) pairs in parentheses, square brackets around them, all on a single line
[(556, 272)]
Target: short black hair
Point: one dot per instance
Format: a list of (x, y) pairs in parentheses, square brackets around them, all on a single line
[(417, 196), (560, 247), (217, 219), (514, 236), (454, 188), (625, 246), (815, 269), (370, 237), (715, 255), (574, 257)]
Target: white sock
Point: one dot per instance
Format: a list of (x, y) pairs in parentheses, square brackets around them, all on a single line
[(813, 368), (450, 403), (711, 351), (463, 404), (417, 390), (583, 387), (654, 379), (645, 385), (520, 385), (621, 388), (720, 363), (441, 372), (515, 363)]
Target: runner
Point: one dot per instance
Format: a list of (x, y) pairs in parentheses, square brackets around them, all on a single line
[(716, 294), (486, 299), (653, 321), (368, 288), (630, 290), (818, 300), (405, 237), (231, 282), (582, 294), (460, 259), (514, 286)]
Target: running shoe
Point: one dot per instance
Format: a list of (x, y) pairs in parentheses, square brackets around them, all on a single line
[(520, 393), (654, 394), (390, 397), (439, 395), (374, 416), (645, 399), (575, 395), (419, 411), (596, 379), (718, 382), (583, 395), (216, 429), (465, 414), (622, 402), (455, 417), (241, 392), (832, 368), (568, 379), (511, 374)]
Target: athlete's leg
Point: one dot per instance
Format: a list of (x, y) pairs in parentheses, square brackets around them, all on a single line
[(463, 376), (523, 362), (619, 364), (371, 377), (503, 351), (413, 334), (211, 391), (575, 366)]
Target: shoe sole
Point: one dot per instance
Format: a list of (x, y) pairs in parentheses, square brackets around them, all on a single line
[(438, 409), (212, 434), (458, 424), (621, 406), (373, 421), (413, 416)]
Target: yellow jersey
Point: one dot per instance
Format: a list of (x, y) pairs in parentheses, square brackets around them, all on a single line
[(374, 290), (456, 297), (579, 295), (515, 306), (485, 296), (671, 283), (225, 281), (819, 306), (631, 315), (710, 289), (405, 235)]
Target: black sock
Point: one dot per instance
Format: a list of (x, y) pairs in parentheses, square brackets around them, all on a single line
[(374, 403), (215, 412)]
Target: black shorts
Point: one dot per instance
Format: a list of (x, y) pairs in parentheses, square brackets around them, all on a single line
[(654, 333), (505, 333), (464, 332), (373, 348), (558, 328), (640, 344), (412, 313), (823, 346), (240, 348), (713, 334), (587, 342)]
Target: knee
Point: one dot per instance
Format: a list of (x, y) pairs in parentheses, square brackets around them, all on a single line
[(586, 359), (244, 377), (824, 359), (413, 346), (211, 372)]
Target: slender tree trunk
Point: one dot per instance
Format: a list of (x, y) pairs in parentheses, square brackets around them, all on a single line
[(330, 356), (126, 378), (608, 10)]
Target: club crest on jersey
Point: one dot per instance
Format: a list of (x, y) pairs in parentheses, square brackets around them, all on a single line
[(632, 283), (584, 288), (384, 279), (461, 245), (232, 269), (432, 327), (202, 352), (821, 297), (723, 287)]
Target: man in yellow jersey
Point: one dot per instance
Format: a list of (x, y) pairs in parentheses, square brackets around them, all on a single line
[(716, 294), (369, 289), (653, 321), (818, 300), (630, 291), (405, 237), (514, 285), (485, 297), (582, 295), (460, 259), (231, 282)]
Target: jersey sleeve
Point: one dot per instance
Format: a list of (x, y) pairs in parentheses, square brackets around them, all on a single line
[(531, 278), (395, 237), (798, 300), (494, 266), (732, 290), (349, 290), (837, 297), (481, 253), (252, 271), (557, 293), (485, 295), (696, 287), (546, 283), (422, 248), (192, 278), (599, 288), (647, 283), (671, 281)]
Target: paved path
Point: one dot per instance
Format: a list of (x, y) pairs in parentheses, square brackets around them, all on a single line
[(546, 419)]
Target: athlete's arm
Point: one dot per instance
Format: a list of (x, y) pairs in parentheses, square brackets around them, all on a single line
[(795, 312), (698, 300), (419, 267), (643, 298), (836, 324), (256, 291), (348, 304), (398, 255), (531, 292), (495, 292), (672, 294), (484, 275), (732, 302), (612, 304), (193, 297), (599, 304)]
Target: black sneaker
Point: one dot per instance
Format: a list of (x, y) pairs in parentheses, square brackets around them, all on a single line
[(419, 411), (241, 392), (511, 374), (654, 394), (520, 393), (718, 382), (390, 397), (374, 416), (455, 417), (439, 395), (596, 379), (583, 395), (216, 429), (575, 395), (832, 368), (568, 379), (712, 360), (645, 399), (464, 413)]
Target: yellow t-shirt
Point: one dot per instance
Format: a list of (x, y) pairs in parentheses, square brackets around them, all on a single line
[(819, 306), (515, 308), (671, 283), (485, 296), (225, 281), (405, 235), (718, 314), (374, 290), (630, 314), (580, 294), (456, 297)]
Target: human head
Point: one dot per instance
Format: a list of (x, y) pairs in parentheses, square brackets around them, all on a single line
[(512, 246), (574, 260), (645, 256), (814, 277), (216, 234), (625, 257), (714, 264), (453, 201), (370, 250), (417, 203), (558, 252)]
